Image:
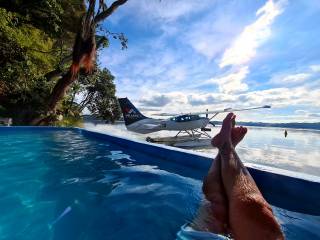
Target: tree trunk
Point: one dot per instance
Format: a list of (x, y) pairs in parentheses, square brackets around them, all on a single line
[(60, 90), (57, 94)]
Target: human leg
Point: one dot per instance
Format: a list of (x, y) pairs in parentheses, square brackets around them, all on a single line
[(250, 216), (214, 216)]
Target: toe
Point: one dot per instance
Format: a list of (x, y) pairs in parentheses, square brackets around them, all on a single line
[(229, 116), (243, 129)]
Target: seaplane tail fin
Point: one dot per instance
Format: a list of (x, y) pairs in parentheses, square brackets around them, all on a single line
[(130, 113)]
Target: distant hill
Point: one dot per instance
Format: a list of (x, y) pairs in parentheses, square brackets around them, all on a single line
[(315, 125)]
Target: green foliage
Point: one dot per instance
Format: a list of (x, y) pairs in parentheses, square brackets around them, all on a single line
[(51, 16), (23, 64), (36, 39), (98, 96), (24, 43), (69, 121), (104, 102)]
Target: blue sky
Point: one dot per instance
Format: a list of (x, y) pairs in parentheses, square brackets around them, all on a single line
[(192, 55)]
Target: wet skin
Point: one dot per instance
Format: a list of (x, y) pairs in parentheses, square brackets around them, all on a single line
[(236, 205)]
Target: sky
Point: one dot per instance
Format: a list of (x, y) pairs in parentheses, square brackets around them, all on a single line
[(193, 55)]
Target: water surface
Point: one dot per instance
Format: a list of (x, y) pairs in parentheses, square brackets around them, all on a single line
[(298, 152), (62, 185)]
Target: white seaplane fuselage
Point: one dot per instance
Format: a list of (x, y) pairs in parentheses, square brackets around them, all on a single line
[(149, 125)]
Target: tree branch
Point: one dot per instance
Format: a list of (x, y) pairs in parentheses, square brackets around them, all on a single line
[(53, 74), (90, 11), (109, 11), (84, 102)]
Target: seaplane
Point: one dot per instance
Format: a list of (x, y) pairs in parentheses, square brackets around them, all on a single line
[(192, 129)]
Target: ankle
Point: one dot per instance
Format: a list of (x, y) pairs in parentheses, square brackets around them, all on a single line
[(227, 147)]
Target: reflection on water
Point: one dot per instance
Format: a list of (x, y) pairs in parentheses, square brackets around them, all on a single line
[(299, 151)]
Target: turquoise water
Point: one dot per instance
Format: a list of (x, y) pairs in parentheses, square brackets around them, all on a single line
[(62, 185)]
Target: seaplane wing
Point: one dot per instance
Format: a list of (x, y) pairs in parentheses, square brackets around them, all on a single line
[(231, 110), (212, 112)]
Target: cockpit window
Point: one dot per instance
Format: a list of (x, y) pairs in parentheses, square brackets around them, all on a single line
[(194, 117), (185, 118)]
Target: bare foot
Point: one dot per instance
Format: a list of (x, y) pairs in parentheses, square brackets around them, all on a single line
[(237, 134), (229, 133)]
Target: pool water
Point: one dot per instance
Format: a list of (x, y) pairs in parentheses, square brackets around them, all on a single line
[(63, 185)]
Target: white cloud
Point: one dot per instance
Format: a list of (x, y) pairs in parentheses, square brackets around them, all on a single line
[(305, 100), (317, 115), (315, 68), (307, 114), (113, 58), (245, 46), (272, 118), (282, 97), (158, 100), (300, 112), (304, 74), (290, 79), (203, 44), (244, 49), (296, 78), (211, 35), (232, 82), (209, 99), (177, 73), (152, 98)]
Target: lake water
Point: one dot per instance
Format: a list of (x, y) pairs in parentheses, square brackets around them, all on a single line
[(298, 152)]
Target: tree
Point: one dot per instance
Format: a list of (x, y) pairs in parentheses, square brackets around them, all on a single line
[(45, 47), (84, 51), (99, 91), (34, 37)]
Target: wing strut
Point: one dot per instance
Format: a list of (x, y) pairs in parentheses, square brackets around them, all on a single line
[(213, 116)]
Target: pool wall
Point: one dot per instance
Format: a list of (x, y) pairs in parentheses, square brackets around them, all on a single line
[(290, 190)]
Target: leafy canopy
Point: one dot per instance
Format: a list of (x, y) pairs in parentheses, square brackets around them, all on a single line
[(36, 40)]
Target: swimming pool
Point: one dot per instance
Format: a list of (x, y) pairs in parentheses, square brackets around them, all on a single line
[(75, 184)]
